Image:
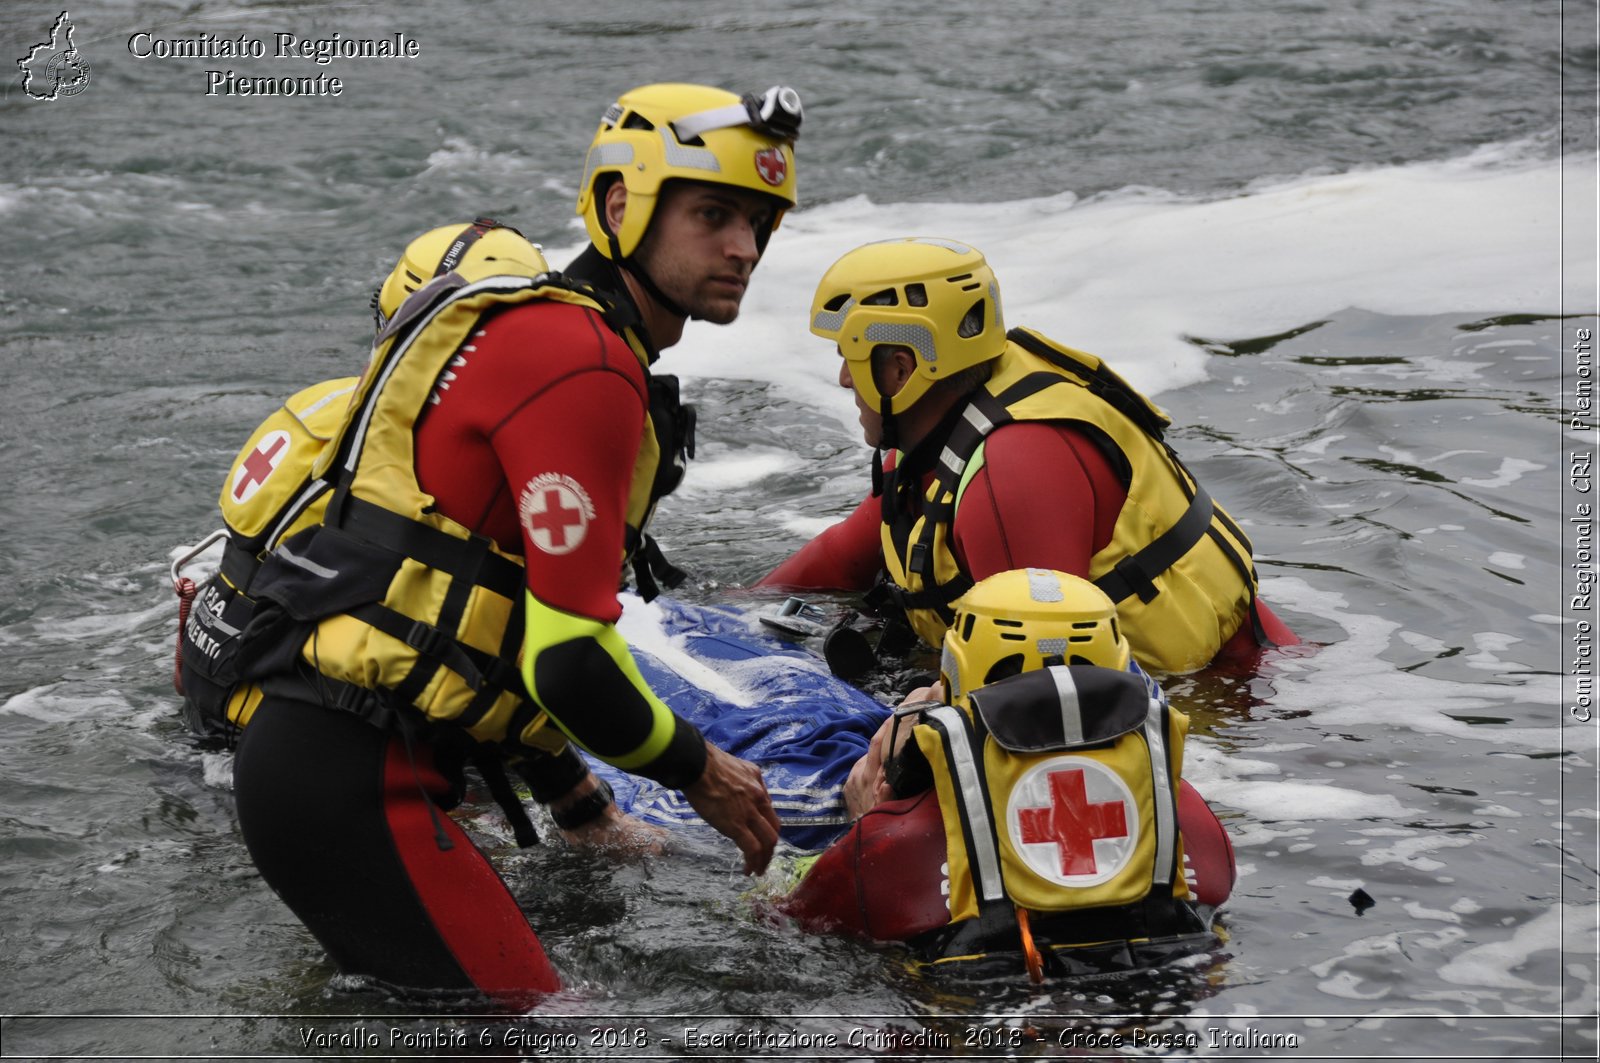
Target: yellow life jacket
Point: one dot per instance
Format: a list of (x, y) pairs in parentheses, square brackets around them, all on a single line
[(340, 560), (1058, 789), (1177, 565)]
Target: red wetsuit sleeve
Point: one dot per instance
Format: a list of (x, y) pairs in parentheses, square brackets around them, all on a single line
[(1046, 497), (846, 556), (533, 441)]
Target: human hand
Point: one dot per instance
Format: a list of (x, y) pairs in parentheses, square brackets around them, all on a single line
[(932, 692), (867, 785), (731, 796), (615, 831)]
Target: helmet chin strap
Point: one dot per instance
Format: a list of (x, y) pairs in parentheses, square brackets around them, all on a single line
[(638, 272), (665, 301), (888, 439)]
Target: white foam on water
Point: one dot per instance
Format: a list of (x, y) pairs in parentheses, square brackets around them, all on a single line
[(459, 158), (1344, 685), (1511, 470), (803, 525), (1566, 927), (217, 770), (1130, 274), (1223, 778), (731, 469), (46, 705)]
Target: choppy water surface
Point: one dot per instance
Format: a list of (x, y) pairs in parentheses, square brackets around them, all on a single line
[(1328, 235)]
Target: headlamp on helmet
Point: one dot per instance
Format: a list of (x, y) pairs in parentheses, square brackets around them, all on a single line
[(1026, 619), (658, 133), (439, 251), (937, 298)]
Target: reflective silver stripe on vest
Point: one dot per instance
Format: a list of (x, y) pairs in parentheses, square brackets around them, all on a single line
[(964, 772), (306, 563), (974, 416), (953, 462), (1071, 711), (1155, 734)]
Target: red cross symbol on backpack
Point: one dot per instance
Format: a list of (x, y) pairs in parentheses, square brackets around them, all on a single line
[(1073, 820), (255, 467)]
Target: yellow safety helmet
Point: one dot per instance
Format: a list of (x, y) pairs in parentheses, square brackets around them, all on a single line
[(1024, 619), (937, 297), (438, 251), (657, 133)]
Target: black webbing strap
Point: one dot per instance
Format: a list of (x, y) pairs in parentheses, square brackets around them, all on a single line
[(1101, 382), (1136, 573), (651, 565), (470, 559), (492, 768), (479, 669)]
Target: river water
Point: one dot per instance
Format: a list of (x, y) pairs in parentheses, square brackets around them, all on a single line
[(1351, 247)]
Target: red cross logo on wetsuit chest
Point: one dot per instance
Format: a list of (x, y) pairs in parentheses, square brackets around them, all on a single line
[(1065, 831)]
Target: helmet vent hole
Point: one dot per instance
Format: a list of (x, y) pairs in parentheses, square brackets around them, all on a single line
[(1005, 668), (887, 297), (1000, 622), (1078, 658), (833, 305), (959, 278), (916, 295), (972, 324), (1081, 624), (635, 120), (1080, 638), (966, 627), (1013, 636)]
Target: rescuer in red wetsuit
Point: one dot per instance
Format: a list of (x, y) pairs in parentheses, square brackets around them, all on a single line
[(530, 442), (1008, 451), (1042, 810)]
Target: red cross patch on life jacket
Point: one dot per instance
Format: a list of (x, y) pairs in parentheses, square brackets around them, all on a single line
[(1073, 821)]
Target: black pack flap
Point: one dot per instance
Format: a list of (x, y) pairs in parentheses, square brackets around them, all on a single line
[(1062, 707)]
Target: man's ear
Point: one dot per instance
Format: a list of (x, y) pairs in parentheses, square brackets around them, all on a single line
[(616, 205), (900, 367)]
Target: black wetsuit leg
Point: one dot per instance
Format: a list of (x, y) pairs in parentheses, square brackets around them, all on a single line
[(336, 819)]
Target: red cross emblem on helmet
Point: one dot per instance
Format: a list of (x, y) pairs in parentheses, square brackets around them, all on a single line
[(1073, 821), (555, 512), (255, 467), (771, 166)]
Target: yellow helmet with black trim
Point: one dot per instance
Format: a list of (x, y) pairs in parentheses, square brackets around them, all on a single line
[(1025, 619), (438, 251), (657, 133), (939, 298)]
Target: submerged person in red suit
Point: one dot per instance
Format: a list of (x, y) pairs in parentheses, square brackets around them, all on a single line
[(1041, 812), (1007, 450)]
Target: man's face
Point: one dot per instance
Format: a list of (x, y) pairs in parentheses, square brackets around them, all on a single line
[(871, 418), (701, 246)]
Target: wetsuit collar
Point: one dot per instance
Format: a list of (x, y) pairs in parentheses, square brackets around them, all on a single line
[(925, 455), (596, 269)]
